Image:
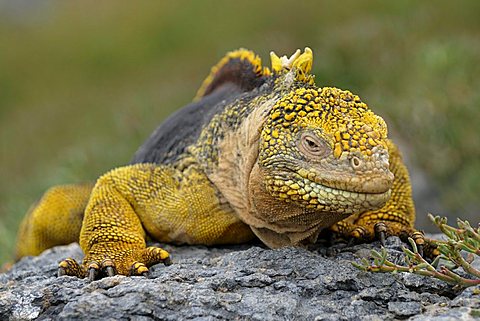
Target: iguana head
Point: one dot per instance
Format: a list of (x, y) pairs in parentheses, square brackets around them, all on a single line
[(322, 157), (323, 148), (302, 157)]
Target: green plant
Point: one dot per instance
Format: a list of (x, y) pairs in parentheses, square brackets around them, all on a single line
[(457, 251)]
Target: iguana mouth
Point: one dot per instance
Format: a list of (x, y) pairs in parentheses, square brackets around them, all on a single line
[(316, 193), (311, 194)]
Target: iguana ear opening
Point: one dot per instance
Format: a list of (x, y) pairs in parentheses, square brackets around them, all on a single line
[(242, 68)]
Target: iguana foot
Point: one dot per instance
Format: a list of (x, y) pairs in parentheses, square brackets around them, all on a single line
[(128, 262), (355, 233)]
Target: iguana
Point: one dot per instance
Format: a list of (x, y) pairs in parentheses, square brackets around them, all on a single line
[(261, 152)]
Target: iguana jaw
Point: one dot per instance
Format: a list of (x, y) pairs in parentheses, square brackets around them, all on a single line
[(291, 220), (327, 194), (278, 222), (314, 195)]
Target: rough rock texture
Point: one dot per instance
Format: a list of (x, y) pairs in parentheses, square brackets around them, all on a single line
[(233, 283)]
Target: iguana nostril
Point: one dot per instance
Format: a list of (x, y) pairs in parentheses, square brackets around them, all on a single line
[(355, 162)]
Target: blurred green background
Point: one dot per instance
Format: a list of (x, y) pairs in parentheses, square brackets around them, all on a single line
[(83, 83)]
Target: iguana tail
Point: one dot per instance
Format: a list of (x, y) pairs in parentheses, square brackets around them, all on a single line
[(56, 219)]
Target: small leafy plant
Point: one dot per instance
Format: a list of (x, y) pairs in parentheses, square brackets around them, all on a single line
[(458, 251)]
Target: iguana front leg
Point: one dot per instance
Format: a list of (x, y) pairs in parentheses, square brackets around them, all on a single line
[(112, 236), (397, 217), (168, 204)]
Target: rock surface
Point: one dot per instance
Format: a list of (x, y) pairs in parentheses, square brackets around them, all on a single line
[(233, 283)]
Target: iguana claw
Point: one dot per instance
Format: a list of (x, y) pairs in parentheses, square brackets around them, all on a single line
[(92, 273), (61, 272), (109, 267), (380, 228), (110, 271)]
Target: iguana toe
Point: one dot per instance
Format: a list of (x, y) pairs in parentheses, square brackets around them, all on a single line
[(139, 268), (153, 255), (70, 267), (419, 239)]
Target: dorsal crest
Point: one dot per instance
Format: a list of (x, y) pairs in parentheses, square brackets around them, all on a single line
[(243, 69), (301, 63)]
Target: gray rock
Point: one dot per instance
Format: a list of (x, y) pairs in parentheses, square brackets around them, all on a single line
[(233, 283), (404, 309)]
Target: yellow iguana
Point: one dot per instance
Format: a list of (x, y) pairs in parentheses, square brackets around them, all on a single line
[(261, 152)]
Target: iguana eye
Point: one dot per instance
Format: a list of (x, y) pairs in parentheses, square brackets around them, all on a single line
[(312, 145)]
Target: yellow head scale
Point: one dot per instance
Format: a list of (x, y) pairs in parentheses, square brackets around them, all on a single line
[(339, 117)]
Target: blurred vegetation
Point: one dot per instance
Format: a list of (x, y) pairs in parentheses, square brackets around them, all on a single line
[(453, 264), (82, 84)]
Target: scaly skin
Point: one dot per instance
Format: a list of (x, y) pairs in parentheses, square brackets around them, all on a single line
[(269, 155), (55, 219)]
